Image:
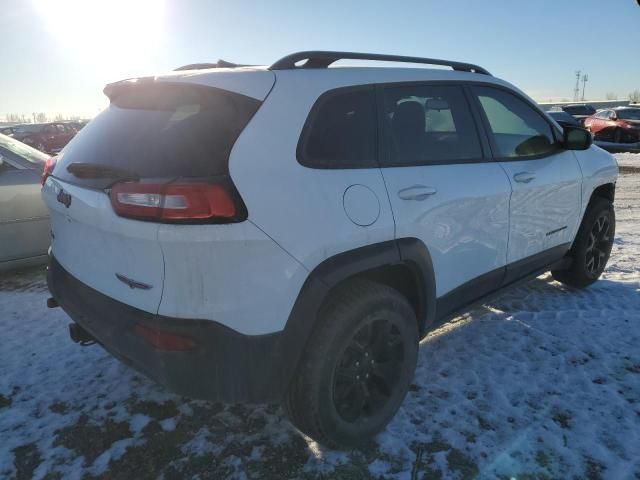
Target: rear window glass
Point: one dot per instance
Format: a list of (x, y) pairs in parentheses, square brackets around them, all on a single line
[(341, 131), (580, 110), (159, 131), (631, 114)]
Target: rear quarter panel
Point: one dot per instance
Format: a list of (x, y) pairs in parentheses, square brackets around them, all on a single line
[(232, 274), (301, 208)]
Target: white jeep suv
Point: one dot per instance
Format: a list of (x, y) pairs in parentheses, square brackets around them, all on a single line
[(289, 233)]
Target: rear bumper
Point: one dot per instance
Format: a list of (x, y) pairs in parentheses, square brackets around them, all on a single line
[(225, 365)]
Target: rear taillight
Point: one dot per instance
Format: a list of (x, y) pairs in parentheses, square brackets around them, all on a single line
[(189, 202), (48, 168), (166, 341)]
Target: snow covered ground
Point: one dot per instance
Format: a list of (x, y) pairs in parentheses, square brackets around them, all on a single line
[(544, 382), (628, 159)]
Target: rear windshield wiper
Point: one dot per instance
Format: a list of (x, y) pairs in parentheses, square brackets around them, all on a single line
[(95, 170)]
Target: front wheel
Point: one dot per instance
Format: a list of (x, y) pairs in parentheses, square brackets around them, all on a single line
[(357, 367), (592, 246)]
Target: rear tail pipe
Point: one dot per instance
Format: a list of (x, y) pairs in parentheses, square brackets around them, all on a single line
[(80, 335)]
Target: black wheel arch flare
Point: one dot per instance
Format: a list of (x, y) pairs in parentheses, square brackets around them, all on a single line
[(302, 320)]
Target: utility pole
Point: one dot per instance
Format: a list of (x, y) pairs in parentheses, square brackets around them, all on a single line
[(585, 78), (576, 90)]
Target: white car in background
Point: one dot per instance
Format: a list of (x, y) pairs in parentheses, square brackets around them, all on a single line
[(24, 218), (289, 233)]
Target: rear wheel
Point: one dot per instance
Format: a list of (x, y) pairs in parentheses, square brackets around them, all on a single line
[(592, 246), (357, 367)]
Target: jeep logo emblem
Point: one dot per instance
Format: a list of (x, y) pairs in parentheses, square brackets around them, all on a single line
[(64, 198)]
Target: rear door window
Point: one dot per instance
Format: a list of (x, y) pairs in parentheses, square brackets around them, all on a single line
[(158, 131), (341, 131), (428, 125)]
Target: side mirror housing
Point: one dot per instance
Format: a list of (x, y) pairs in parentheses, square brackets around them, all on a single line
[(576, 138)]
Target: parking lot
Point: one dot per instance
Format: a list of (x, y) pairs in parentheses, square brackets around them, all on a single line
[(544, 382)]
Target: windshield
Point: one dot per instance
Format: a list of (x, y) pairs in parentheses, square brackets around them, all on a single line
[(157, 131), (22, 150), (631, 114)]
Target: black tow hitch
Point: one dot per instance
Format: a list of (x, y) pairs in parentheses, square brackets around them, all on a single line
[(80, 335)]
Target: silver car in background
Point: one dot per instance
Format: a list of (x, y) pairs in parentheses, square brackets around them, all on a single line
[(24, 220)]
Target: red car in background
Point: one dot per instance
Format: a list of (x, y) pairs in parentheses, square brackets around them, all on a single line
[(46, 137), (618, 125)]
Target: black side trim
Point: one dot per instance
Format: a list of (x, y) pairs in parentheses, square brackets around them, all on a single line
[(415, 255), (467, 293), (542, 260), (482, 288)]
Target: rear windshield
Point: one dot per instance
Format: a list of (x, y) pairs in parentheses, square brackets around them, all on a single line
[(28, 128), (580, 110), (158, 131)]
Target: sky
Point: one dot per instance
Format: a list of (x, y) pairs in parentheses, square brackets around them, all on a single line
[(57, 55)]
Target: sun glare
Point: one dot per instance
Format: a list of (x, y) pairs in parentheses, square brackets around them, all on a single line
[(111, 36)]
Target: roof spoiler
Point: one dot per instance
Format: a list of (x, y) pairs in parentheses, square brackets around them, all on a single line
[(219, 64)]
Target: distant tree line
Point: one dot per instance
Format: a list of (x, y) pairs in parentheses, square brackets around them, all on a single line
[(38, 117)]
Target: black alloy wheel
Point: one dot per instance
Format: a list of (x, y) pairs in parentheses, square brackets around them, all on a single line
[(368, 370), (598, 246)]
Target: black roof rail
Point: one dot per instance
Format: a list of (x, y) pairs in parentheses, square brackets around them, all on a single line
[(322, 59), (218, 64)]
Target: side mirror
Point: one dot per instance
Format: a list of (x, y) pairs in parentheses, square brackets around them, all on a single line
[(576, 138), (613, 116)]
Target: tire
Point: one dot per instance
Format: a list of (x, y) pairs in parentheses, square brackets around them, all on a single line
[(617, 136), (357, 366), (592, 246)]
